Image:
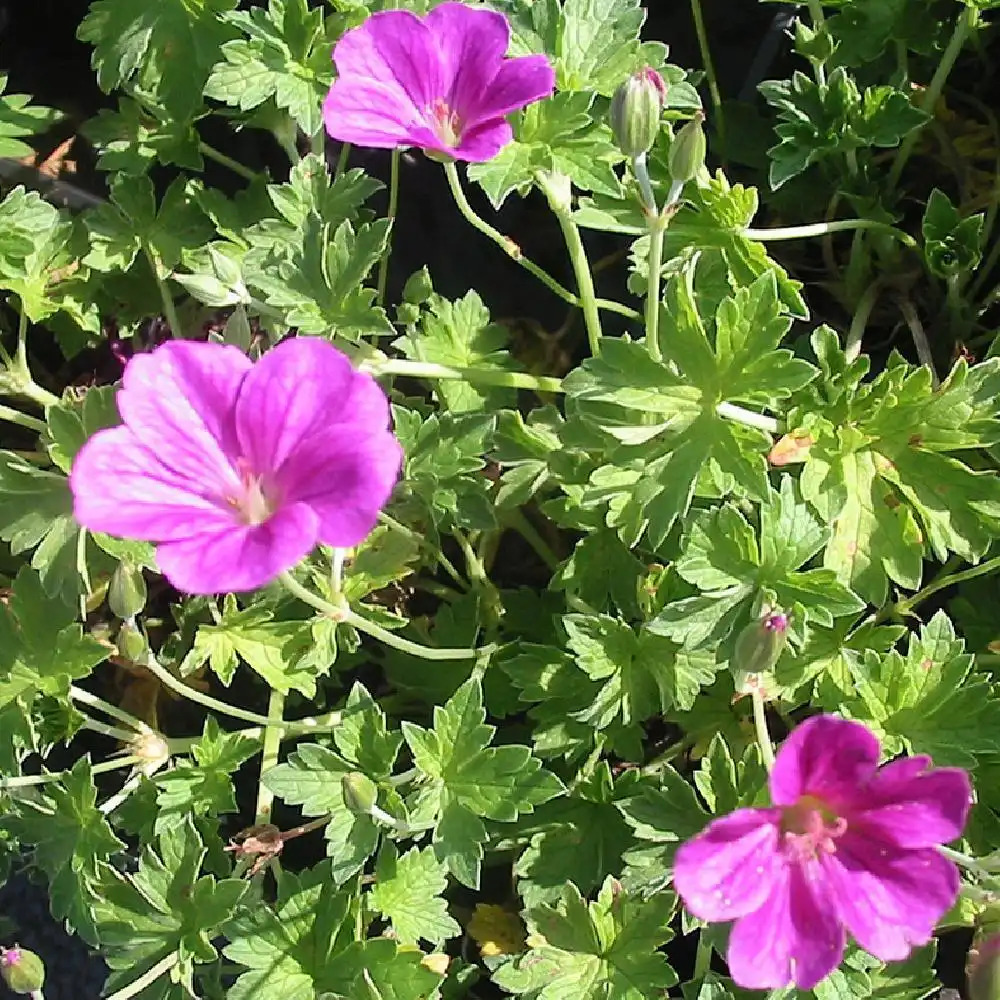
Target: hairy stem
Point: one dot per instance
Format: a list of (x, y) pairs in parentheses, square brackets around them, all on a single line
[(27, 780), (859, 321), (13, 416), (739, 415), (822, 228), (760, 725), (657, 232), (227, 161), (169, 310), (383, 264), (480, 376), (147, 978), (20, 369), (709, 66), (86, 698), (273, 734)]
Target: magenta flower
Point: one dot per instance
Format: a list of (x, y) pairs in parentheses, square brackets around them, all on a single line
[(848, 845), (439, 82), (237, 469)]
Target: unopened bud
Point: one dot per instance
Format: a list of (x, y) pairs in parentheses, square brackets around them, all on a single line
[(126, 591), (131, 643), (635, 111), (757, 650), (687, 151), (983, 969), (360, 793), (22, 970)]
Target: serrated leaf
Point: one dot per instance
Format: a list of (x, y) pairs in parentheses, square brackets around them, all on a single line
[(952, 245), (20, 118)]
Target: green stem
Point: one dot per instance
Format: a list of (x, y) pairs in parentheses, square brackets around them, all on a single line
[(169, 310), (709, 67), (147, 978), (113, 732), (349, 617), (702, 958), (657, 232), (27, 780), (270, 753), (481, 376), (906, 606), (342, 160), (13, 416), (823, 228), (731, 411), (859, 321), (513, 251), (192, 694), (21, 370), (227, 161), (422, 542), (337, 574), (85, 697), (383, 264), (760, 725), (516, 519), (816, 13), (969, 863), (964, 25)]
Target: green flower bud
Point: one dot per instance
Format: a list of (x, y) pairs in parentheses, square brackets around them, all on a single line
[(22, 970), (126, 591), (360, 793), (687, 151), (131, 643), (983, 969), (635, 111), (757, 650)]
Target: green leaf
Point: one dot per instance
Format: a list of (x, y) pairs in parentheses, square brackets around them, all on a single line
[(930, 701), (204, 786), (407, 892), (602, 572), (311, 778), (878, 469), (285, 55), (468, 781), (362, 736), (461, 335), (131, 224), (166, 906), (671, 408), (595, 43), (167, 49), (20, 118), (734, 567), (817, 120), (319, 287), (607, 948), (71, 838), (73, 420), (287, 947), (952, 245), (558, 135)]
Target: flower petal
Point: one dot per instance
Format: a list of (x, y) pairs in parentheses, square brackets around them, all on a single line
[(519, 82), (908, 806), (239, 558), (346, 477), (889, 899), (296, 389), (729, 869), (121, 488), (471, 44), (482, 143), (826, 757), (793, 938), (374, 115), (178, 402), (397, 48)]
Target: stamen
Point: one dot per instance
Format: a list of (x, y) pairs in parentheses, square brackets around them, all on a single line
[(447, 124)]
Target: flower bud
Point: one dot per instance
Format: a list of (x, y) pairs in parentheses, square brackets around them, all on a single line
[(635, 111), (983, 969), (757, 649), (126, 591), (131, 643), (687, 151), (22, 970), (360, 793)]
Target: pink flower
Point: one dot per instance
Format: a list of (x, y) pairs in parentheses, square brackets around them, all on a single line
[(848, 845), (439, 82), (237, 469)]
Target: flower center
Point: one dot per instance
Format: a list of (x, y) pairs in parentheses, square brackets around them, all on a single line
[(447, 124), (810, 828), (251, 504)]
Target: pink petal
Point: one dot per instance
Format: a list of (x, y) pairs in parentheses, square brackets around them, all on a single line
[(121, 488), (826, 757), (793, 938), (483, 142), (889, 899), (178, 401), (240, 558), (908, 806), (397, 48), (374, 115), (730, 868), (471, 44), (296, 389), (519, 82), (346, 478)]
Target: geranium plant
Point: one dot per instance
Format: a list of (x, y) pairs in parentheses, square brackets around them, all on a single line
[(358, 642)]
